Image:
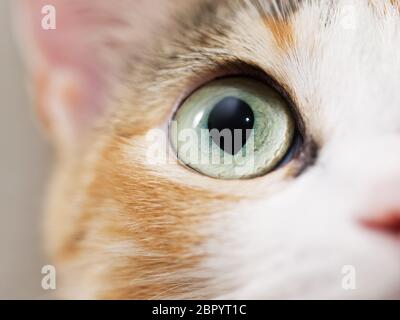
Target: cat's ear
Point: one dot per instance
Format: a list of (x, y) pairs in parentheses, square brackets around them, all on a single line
[(74, 49)]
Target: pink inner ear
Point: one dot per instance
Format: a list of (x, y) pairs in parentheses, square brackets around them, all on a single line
[(74, 46), (91, 43)]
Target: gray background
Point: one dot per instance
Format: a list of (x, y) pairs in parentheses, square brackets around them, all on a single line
[(24, 166)]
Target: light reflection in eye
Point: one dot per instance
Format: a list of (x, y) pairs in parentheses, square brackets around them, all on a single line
[(254, 129)]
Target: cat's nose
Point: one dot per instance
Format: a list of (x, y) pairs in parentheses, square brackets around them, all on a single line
[(387, 222)]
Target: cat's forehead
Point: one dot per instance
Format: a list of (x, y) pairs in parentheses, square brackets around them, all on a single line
[(336, 59), (341, 65)]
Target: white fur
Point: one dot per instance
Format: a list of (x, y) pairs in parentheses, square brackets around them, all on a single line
[(295, 243)]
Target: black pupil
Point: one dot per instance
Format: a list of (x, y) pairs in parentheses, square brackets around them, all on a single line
[(232, 114)]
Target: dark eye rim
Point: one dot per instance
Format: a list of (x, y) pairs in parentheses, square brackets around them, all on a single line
[(301, 144)]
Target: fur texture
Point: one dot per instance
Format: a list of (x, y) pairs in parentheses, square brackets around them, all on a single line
[(119, 227)]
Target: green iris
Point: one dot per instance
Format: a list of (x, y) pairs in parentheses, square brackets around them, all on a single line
[(233, 128)]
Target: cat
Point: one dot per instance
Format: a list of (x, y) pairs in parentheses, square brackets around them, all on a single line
[(323, 223)]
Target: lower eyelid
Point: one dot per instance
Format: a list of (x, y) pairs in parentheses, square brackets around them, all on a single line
[(307, 156), (294, 151)]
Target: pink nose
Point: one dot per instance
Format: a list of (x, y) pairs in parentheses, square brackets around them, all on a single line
[(388, 222)]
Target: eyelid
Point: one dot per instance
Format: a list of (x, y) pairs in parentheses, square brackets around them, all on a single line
[(242, 69), (306, 154)]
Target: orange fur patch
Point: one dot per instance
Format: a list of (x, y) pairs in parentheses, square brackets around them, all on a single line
[(115, 228), (281, 31), (156, 223)]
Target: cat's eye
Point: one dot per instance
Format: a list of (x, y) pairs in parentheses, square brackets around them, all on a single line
[(233, 128)]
